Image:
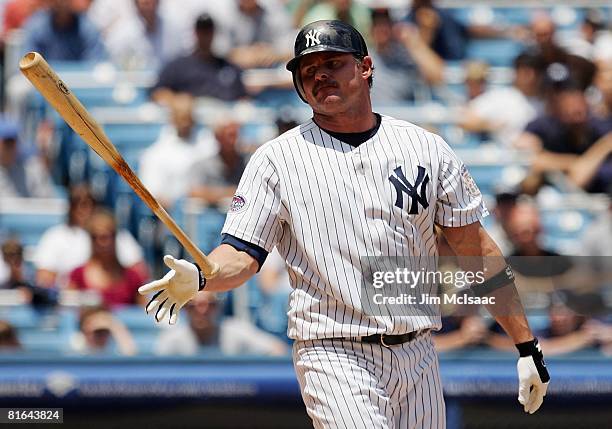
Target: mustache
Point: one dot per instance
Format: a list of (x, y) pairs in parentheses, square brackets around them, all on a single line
[(322, 85)]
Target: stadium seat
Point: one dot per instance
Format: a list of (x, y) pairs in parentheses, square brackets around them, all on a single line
[(109, 96), (136, 319), (38, 331), (21, 317), (29, 218), (203, 223), (513, 15), (36, 341), (146, 340), (277, 98), (563, 229), (495, 52), (136, 135)]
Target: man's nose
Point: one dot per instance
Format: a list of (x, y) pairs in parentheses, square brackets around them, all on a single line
[(321, 74)]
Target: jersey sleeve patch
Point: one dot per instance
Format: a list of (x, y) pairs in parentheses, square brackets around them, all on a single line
[(468, 182), (238, 204)]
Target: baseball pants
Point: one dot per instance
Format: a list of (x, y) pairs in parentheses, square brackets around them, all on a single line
[(348, 384)]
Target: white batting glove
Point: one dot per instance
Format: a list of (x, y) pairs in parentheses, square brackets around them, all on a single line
[(533, 375), (173, 290)]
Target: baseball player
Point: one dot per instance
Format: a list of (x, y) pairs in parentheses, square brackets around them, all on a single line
[(335, 196)]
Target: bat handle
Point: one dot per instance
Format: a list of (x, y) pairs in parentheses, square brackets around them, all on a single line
[(209, 268)]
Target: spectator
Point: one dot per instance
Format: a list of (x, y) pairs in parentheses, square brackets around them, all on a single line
[(529, 258), (348, 11), (146, 39), (64, 247), (597, 35), (567, 138), (108, 15), (439, 29), (4, 271), (593, 242), (20, 278), (461, 327), (602, 106), (570, 331), (81, 6), (9, 342), (273, 279), (164, 166), (503, 112), (21, 175), (475, 79), (256, 33), (460, 332), (505, 200), (595, 248), (214, 179), (446, 35), (102, 333), (103, 273), (285, 121), (232, 336), (201, 74), (593, 170), (16, 13), (275, 288), (567, 331), (593, 41), (61, 34), (548, 51), (405, 65)]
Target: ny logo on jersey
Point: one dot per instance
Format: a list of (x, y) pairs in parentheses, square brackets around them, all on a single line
[(312, 38), (416, 192)]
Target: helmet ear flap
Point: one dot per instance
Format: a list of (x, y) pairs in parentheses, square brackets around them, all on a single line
[(297, 83)]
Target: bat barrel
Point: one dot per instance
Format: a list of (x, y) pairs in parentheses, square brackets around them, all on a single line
[(57, 93)]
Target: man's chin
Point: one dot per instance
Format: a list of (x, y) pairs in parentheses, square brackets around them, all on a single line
[(327, 102)]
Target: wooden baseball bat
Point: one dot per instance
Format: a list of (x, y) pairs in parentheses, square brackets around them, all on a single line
[(48, 83)]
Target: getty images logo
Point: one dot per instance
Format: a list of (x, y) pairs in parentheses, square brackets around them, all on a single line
[(312, 38)]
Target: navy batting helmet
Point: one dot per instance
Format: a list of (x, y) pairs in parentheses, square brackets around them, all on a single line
[(325, 36)]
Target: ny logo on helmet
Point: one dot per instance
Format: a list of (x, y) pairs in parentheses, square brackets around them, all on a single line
[(312, 38), (416, 192)]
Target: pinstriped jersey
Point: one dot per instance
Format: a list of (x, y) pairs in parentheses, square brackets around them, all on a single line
[(330, 207)]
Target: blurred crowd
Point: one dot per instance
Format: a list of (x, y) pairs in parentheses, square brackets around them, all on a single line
[(554, 110)]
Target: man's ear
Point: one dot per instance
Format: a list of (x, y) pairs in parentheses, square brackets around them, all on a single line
[(366, 67)]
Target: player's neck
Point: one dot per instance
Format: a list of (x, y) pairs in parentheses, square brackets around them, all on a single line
[(346, 122)]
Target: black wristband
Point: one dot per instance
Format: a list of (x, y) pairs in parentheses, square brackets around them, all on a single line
[(201, 278), (529, 348), (532, 348), (499, 280)]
